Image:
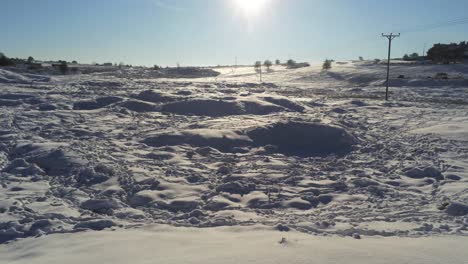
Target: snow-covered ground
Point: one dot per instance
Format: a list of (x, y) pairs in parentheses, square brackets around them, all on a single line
[(230, 245), (305, 151)]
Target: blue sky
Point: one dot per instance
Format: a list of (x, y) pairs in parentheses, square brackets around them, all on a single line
[(212, 32)]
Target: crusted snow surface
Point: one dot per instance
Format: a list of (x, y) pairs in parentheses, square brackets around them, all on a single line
[(311, 151), (254, 244)]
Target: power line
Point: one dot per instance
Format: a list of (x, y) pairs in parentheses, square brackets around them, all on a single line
[(448, 23), (390, 38), (436, 25)]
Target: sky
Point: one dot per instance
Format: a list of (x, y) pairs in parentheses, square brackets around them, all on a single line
[(215, 32)]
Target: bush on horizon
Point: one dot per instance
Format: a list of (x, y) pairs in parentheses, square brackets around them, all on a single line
[(327, 64)]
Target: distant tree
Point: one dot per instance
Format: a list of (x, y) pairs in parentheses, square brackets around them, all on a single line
[(277, 62), (327, 64), (414, 55), (447, 53), (361, 58), (63, 67), (5, 61), (376, 61), (156, 67), (30, 59), (74, 62), (258, 66), (268, 64), (291, 63), (406, 57)]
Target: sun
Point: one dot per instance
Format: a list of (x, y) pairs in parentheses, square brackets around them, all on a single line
[(251, 7)]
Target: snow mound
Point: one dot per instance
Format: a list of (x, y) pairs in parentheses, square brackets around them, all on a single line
[(169, 196), (11, 77), (297, 203), (23, 168), (51, 157), (289, 138), (217, 108), (456, 129), (95, 224), (91, 176), (218, 203), (17, 99), (97, 103), (457, 209), (257, 107), (9, 103), (303, 139), (223, 140), (203, 107), (100, 205), (47, 107), (15, 96), (139, 106), (154, 97), (181, 205), (57, 162), (237, 187), (423, 172), (143, 198), (286, 103), (12, 100)]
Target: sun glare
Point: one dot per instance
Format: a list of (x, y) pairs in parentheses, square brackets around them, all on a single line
[(251, 7)]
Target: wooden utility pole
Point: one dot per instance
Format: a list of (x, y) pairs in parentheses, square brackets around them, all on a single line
[(390, 38)]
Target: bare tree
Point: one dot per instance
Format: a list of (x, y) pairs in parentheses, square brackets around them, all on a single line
[(258, 65), (268, 64)]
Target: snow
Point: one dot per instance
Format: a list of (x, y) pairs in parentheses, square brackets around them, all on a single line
[(455, 128), (317, 153), (230, 245)]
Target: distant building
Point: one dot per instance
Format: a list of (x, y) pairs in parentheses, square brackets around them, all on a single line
[(107, 64)]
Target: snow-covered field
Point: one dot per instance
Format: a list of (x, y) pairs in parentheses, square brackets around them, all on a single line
[(230, 245), (303, 155)]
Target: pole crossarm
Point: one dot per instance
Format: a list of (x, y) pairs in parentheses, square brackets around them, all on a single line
[(391, 36)]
